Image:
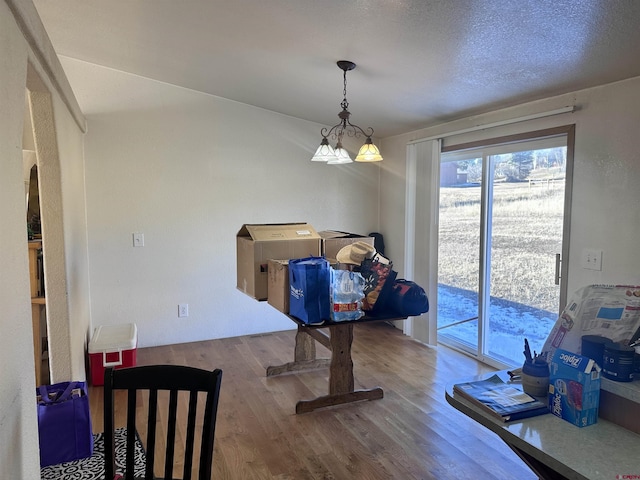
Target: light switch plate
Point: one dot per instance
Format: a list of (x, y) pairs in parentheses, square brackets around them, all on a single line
[(138, 239), (592, 259)]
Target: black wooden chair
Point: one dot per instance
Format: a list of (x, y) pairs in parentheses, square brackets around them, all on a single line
[(143, 385)]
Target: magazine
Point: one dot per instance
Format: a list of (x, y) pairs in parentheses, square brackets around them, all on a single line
[(505, 401)]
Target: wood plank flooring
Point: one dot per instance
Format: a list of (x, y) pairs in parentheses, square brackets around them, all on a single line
[(412, 433)]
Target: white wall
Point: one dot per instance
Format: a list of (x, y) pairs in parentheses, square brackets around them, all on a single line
[(188, 170), (58, 147), (605, 211), (18, 425), (18, 431), (68, 333)]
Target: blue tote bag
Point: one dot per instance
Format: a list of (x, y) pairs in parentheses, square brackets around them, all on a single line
[(309, 289), (64, 423)]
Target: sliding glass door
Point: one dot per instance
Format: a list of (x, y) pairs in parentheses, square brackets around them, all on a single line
[(501, 219)]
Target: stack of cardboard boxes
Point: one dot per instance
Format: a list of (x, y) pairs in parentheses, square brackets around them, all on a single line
[(264, 251)]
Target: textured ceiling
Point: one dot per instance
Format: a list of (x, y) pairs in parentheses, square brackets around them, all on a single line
[(420, 62)]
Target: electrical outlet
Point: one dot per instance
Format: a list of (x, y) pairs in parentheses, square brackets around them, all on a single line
[(183, 310), (592, 259)]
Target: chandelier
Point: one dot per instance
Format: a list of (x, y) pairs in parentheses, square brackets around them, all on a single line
[(339, 155)]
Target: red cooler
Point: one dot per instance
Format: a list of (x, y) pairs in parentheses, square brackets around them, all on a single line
[(112, 346)]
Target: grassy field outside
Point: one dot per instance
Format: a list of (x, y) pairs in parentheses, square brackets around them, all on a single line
[(526, 235)]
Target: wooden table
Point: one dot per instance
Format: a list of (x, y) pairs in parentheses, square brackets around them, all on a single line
[(555, 449), (338, 340)]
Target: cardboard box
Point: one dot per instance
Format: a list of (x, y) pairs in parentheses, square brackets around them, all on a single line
[(112, 346), (257, 244), (278, 285), (574, 388), (333, 241)]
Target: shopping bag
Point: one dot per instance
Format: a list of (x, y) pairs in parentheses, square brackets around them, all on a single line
[(309, 289), (378, 282), (64, 423), (408, 298)]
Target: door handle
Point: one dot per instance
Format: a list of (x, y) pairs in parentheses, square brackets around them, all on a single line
[(557, 279)]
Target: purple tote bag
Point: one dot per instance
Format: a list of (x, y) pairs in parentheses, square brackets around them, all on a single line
[(64, 423)]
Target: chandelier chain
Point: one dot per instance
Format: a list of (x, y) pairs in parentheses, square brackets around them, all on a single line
[(345, 103)]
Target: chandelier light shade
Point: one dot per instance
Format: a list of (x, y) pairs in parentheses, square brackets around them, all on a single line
[(342, 156), (369, 152), (325, 152), (338, 155)]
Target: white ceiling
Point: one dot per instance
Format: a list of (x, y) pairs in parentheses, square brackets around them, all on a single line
[(420, 62)]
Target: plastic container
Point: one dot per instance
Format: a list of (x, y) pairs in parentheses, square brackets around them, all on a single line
[(112, 346), (593, 347), (535, 378), (618, 362)]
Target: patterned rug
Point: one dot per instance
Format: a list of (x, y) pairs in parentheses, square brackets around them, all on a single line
[(92, 468)]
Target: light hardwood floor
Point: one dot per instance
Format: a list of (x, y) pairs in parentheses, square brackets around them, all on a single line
[(412, 433)]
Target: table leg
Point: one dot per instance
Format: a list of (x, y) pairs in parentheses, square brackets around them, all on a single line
[(341, 368), (305, 348), (341, 383), (304, 357)]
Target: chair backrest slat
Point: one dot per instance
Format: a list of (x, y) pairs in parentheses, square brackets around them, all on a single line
[(171, 433), (151, 432), (153, 379), (191, 428), (109, 435), (131, 438)]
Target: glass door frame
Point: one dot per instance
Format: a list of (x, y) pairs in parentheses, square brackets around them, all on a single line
[(492, 147)]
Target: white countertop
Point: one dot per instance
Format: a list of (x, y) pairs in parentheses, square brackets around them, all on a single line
[(603, 451)]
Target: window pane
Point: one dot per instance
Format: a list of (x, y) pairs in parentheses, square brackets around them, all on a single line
[(527, 218), (459, 249)]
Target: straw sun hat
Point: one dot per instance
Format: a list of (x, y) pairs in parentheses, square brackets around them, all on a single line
[(355, 253)]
